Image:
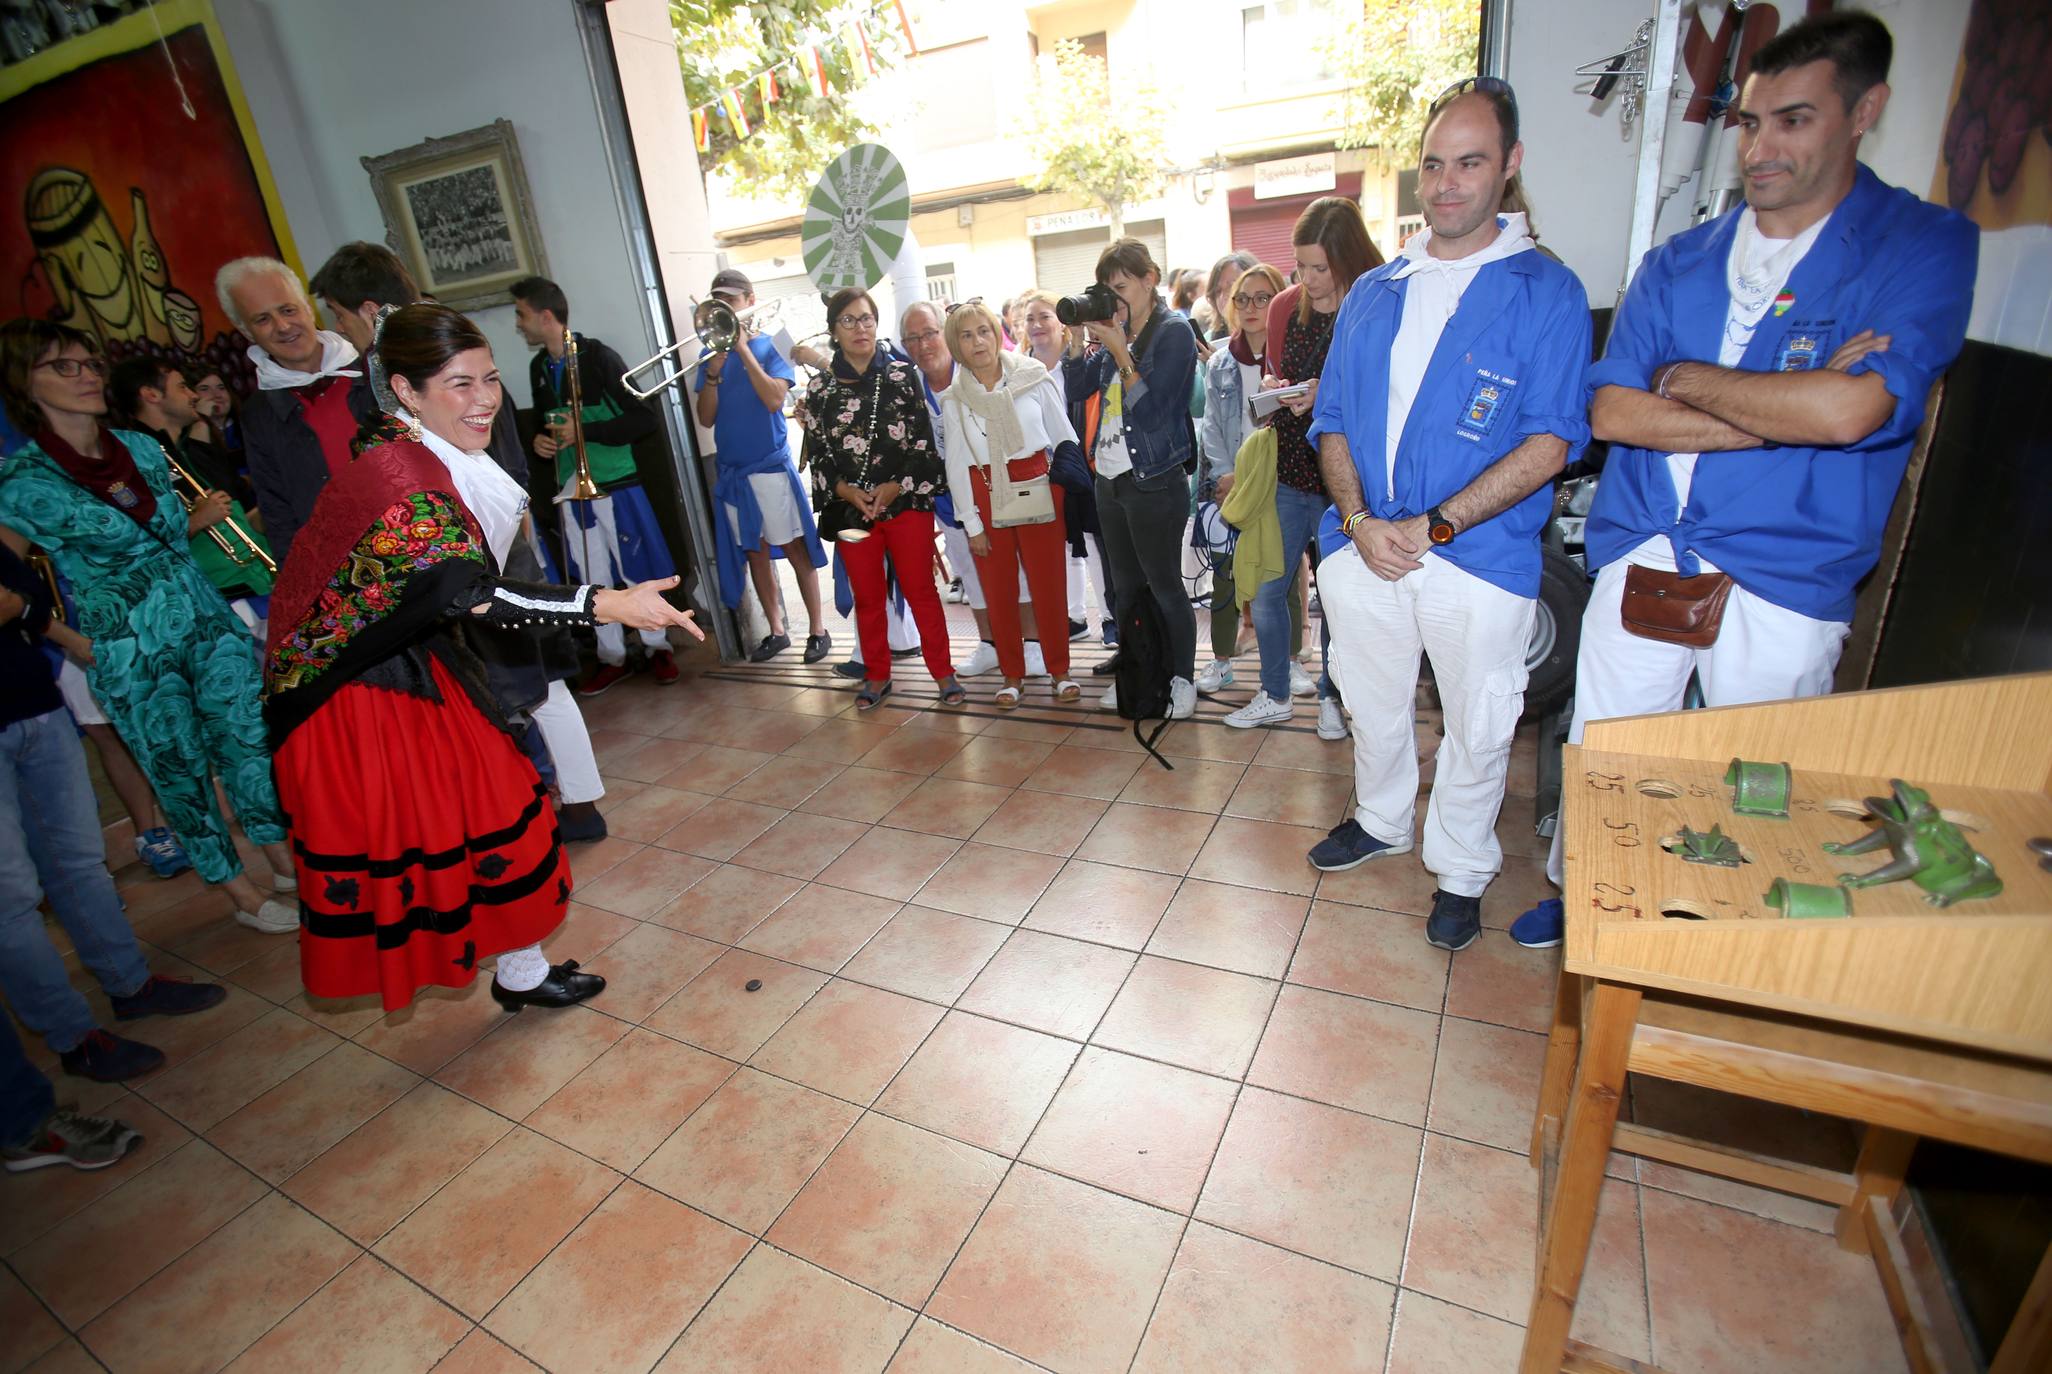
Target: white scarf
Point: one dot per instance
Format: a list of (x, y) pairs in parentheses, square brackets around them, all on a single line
[(998, 408), (1512, 237), (336, 353), (493, 497)]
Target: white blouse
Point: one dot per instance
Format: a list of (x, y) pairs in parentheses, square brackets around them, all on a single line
[(1043, 419)]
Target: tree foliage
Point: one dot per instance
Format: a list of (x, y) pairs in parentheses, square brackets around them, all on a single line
[(722, 44), (1107, 147), (1395, 56)]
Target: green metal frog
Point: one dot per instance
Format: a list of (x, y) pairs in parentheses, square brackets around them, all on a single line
[(1929, 850)]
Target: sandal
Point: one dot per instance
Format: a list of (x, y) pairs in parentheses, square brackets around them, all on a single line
[(1007, 698), (871, 694), (1065, 690), (952, 693)]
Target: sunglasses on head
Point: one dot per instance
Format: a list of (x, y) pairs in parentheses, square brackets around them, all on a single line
[(1487, 85)]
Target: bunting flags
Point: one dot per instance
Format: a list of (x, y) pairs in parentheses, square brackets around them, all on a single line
[(859, 41), (730, 104), (767, 85), (911, 44), (809, 60), (700, 137), (813, 64)]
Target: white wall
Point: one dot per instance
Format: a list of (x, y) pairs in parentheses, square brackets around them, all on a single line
[(330, 83)]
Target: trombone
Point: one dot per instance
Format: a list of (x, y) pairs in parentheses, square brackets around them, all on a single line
[(233, 539), (716, 328), (586, 489)]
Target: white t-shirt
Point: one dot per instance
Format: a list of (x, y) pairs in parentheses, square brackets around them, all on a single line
[(1754, 274), (1042, 421), (1113, 456)]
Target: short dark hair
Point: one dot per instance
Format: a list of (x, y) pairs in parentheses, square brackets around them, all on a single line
[(24, 342), (542, 294), (420, 340), (359, 272), (1125, 255), (1857, 46), (126, 382), (844, 298)]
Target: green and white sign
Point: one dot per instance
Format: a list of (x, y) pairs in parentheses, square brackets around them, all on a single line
[(855, 219)]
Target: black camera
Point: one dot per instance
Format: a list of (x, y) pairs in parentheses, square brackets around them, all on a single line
[(1092, 303)]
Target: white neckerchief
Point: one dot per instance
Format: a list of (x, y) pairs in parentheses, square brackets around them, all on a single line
[(1512, 237), (336, 353), (493, 497)]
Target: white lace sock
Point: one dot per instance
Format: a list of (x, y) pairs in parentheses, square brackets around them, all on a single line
[(522, 969)]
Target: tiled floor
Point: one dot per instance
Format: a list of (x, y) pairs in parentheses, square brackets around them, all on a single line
[(1058, 1060)]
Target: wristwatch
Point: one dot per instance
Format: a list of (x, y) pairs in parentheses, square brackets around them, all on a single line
[(1438, 528)]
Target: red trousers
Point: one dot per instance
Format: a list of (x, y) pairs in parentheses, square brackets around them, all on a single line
[(908, 538), (1041, 548)]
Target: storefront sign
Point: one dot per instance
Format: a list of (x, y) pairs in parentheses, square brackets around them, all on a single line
[(1294, 176), (1067, 220)]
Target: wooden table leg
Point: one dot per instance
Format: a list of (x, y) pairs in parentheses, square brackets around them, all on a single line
[(1565, 1230), (1883, 1162), (1563, 1043), (2028, 1346)]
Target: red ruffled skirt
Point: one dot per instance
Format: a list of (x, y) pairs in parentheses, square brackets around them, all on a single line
[(423, 841)]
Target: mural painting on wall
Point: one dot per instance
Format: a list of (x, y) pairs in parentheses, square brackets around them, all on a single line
[(1995, 165), (126, 181)]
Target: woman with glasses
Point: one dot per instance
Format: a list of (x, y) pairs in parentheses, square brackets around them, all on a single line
[(172, 667), (875, 474), (1211, 314)]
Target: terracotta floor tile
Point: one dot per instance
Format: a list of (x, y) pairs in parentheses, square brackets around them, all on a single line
[(990, 883), (441, 1024), (653, 812), (653, 760), (223, 1293), (1311, 1178), (1135, 1127), (1059, 1272), (861, 794), (1499, 981), (618, 790), (1195, 785), (1098, 773), (599, 857), (482, 1353), (929, 954), (275, 975), (784, 782), (980, 1081), (645, 967), (472, 1241), (1234, 1303), (1201, 1018), (1396, 883), (766, 731), (386, 1167), (1208, 740), (348, 1017), (996, 760), (889, 1208), (585, 933), (369, 1319), (1037, 725), (800, 845), (1302, 749), (31, 1331), (716, 1011), (1292, 797), (644, 883), (521, 1064), (1049, 983), (889, 863), (225, 947), (946, 806), (609, 745), (745, 1154), (820, 927), (727, 903), (1103, 904), (1361, 1055), (284, 1129), (914, 751), (1735, 1292), (849, 1041), (1150, 837), (211, 1085), (1259, 854), (935, 1349), (1242, 929), (722, 830), (713, 769), (615, 1294), (779, 1314), (60, 1193), (1434, 1337), (1745, 1124), (1485, 1086), (1044, 822), (844, 741), (630, 1099), (1368, 953)]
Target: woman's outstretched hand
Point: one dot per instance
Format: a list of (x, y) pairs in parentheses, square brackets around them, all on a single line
[(641, 607)]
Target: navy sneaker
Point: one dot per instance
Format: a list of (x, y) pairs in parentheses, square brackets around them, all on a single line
[(160, 849), (1347, 845), (163, 995), (853, 668), (106, 1058), (1541, 927), (1455, 921), (1108, 631)]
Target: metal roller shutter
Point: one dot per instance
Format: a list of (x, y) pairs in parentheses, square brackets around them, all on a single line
[(1264, 231), (1066, 263)]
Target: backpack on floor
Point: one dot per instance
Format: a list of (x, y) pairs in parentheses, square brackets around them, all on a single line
[(1143, 670)]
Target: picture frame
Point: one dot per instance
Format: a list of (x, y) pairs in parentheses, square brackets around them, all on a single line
[(459, 212)]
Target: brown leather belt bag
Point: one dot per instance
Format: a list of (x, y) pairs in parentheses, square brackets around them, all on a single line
[(1673, 609)]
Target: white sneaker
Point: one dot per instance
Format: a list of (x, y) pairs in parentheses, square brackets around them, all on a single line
[(1302, 684), (1332, 722), (1036, 662), (1182, 698), (984, 660), (1217, 673), (1110, 700), (272, 918), (1263, 710)]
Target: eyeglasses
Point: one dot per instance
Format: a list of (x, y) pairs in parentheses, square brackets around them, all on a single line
[(856, 321), (1243, 301), (68, 367), (1487, 85), (924, 336)]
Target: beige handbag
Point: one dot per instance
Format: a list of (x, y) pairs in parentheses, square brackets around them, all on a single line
[(1021, 494)]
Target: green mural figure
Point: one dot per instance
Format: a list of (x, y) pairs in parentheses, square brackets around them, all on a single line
[(1929, 850)]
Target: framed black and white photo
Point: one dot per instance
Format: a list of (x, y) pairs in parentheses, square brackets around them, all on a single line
[(458, 210)]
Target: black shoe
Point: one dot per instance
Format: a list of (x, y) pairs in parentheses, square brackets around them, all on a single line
[(1078, 628), (162, 995), (1347, 846), (851, 669), (106, 1058), (818, 646), (905, 653), (1455, 921), (771, 646), (564, 987), (1106, 668), (580, 822)]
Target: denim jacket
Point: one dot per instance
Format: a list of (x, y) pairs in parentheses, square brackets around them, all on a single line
[(1226, 423), (1159, 432)]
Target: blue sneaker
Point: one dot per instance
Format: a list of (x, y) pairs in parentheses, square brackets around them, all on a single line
[(1347, 845), (1108, 631), (1540, 928), (160, 849)]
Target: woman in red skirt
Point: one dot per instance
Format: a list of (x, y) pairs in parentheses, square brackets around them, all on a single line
[(423, 839)]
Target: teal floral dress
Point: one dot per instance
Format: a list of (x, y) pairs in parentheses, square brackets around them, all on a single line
[(174, 669)]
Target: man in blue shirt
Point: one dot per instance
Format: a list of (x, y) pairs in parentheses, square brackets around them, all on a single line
[(1452, 394), (762, 510), (1762, 387)]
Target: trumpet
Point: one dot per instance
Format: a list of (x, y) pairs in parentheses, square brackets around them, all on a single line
[(716, 328), (229, 535), (586, 489)]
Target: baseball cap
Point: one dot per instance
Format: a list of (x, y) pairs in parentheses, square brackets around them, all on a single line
[(731, 279)]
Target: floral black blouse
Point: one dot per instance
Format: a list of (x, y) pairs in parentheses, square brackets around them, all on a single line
[(867, 431)]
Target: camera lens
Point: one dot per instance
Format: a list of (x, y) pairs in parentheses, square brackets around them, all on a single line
[(1091, 303)]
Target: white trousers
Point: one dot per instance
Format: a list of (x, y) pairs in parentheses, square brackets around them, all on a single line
[(1085, 572), (604, 537), (956, 541), (1477, 635), (569, 745), (1763, 652)]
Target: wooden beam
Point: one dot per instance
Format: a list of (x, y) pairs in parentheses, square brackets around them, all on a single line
[(1883, 1163), (1563, 1043), (2028, 1346), (1587, 1359), (1764, 1171), (1906, 1303)]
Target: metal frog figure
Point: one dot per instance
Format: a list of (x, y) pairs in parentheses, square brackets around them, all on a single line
[(1929, 850)]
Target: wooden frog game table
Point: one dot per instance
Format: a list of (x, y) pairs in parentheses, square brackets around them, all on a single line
[(1911, 1019)]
